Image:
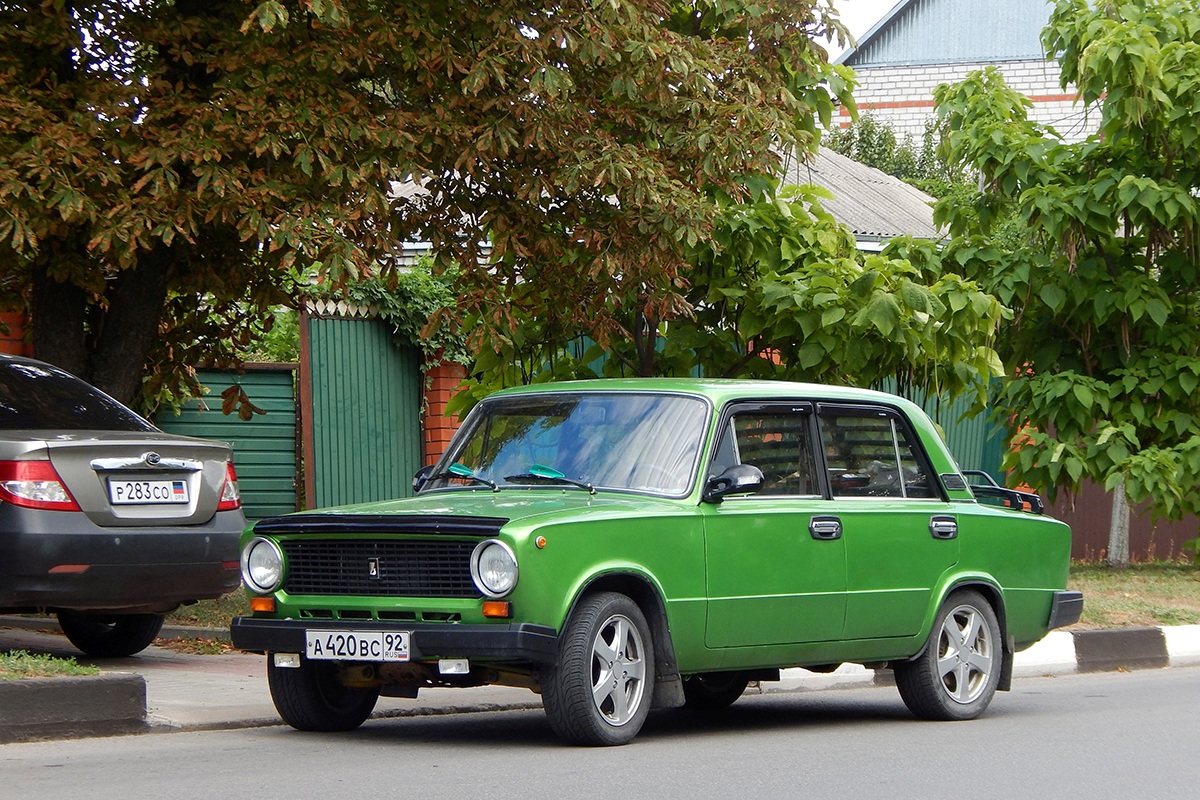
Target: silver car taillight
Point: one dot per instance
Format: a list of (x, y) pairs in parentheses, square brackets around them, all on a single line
[(231, 496), (34, 484)]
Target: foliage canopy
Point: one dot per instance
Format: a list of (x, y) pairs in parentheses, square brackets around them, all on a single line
[(166, 168), (1105, 285), (780, 292)]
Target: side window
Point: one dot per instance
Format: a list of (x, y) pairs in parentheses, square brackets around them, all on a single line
[(779, 443), (870, 454)]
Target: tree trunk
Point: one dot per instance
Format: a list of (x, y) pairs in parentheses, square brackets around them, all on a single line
[(135, 305), (58, 310), (1118, 530), (105, 343)]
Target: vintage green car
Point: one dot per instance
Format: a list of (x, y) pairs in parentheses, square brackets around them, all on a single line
[(618, 545)]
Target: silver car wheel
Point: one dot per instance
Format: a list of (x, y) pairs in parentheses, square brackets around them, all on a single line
[(966, 654), (956, 676), (618, 670)]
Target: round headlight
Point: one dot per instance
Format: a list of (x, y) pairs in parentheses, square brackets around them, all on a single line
[(494, 568), (262, 566)]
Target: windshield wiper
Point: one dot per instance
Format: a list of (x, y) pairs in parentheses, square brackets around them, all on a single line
[(457, 470), (544, 473)]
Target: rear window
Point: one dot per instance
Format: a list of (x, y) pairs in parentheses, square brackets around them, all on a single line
[(41, 397)]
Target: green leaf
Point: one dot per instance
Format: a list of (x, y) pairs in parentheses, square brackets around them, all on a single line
[(1053, 296), (831, 316)]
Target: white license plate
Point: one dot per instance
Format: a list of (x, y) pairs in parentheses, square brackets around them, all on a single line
[(356, 645), (147, 492)]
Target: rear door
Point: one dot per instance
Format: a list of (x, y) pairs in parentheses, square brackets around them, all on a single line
[(900, 536)]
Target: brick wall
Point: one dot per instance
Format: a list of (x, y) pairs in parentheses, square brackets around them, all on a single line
[(903, 95), (12, 340), (441, 384)]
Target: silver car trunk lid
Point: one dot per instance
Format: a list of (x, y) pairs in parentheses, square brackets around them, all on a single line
[(139, 478)]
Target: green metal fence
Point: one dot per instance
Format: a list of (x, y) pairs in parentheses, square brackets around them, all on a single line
[(364, 426), (264, 446)]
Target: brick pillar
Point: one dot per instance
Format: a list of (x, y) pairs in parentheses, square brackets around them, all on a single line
[(441, 384), (13, 341)]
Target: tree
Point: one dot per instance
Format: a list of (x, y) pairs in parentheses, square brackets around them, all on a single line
[(871, 142), (166, 166), (1105, 285), (779, 292)]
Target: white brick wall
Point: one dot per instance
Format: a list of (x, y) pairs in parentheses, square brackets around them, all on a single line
[(903, 96)]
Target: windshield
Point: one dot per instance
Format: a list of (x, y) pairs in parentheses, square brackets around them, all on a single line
[(606, 440)]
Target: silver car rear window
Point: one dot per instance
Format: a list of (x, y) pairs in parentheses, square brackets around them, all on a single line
[(42, 397)]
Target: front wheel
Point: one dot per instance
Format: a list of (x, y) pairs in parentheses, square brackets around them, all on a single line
[(110, 635), (956, 676), (599, 692), (312, 697)]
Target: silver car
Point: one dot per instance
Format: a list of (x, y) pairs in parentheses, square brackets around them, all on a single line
[(106, 521)]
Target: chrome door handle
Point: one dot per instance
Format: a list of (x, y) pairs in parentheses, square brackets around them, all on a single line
[(825, 528), (943, 527)]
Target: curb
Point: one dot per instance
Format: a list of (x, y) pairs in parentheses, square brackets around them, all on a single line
[(32, 709), (1064, 652)]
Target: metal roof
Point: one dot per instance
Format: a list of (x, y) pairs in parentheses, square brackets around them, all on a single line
[(953, 31), (873, 204)]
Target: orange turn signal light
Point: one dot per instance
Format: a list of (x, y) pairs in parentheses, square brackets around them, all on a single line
[(497, 609), (263, 604)]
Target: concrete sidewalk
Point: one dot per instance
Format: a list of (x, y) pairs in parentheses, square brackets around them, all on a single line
[(162, 690)]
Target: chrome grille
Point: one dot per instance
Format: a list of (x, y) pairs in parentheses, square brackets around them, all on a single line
[(391, 568)]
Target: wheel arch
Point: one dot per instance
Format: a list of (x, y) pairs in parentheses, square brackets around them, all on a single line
[(668, 686)]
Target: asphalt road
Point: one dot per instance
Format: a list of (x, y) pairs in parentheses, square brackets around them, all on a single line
[(1108, 735)]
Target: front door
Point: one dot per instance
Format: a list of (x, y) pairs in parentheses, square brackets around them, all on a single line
[(776, 564)]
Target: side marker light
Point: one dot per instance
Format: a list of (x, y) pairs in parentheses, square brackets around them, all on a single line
[(497, 609)]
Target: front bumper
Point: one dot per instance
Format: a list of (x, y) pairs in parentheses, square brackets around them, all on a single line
[(1065, 609), (521, 642)]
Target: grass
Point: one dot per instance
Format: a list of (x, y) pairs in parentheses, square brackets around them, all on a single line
[(1142, 595), (20, 664), (212, 613)]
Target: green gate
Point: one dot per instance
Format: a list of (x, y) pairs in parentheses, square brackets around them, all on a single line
[(361, 400), (264, 446)]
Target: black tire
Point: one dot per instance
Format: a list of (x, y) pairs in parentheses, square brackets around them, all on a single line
[(600, 690), (312, 697), (955, 678), (712, 691), (110, 635)]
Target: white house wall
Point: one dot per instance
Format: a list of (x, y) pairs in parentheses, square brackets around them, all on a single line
[(902, 96)]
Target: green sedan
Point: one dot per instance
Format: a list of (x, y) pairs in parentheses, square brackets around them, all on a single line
[(623, 545)]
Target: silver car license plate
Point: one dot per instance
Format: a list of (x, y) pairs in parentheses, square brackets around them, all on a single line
[(356, 645), (123, 492)]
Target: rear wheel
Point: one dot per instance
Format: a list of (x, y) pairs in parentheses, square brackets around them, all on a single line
[(599, 692), (110, 635), (710, 691), (956, 677), (312, 697)]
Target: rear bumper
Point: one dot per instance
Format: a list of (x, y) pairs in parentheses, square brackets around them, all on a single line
[(1065, 609), (518, 642), (61, 560)]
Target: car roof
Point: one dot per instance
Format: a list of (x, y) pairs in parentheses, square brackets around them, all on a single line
[(719, 390)]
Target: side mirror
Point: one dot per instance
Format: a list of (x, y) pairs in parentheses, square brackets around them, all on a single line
[(738, 479), (419, 479)]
